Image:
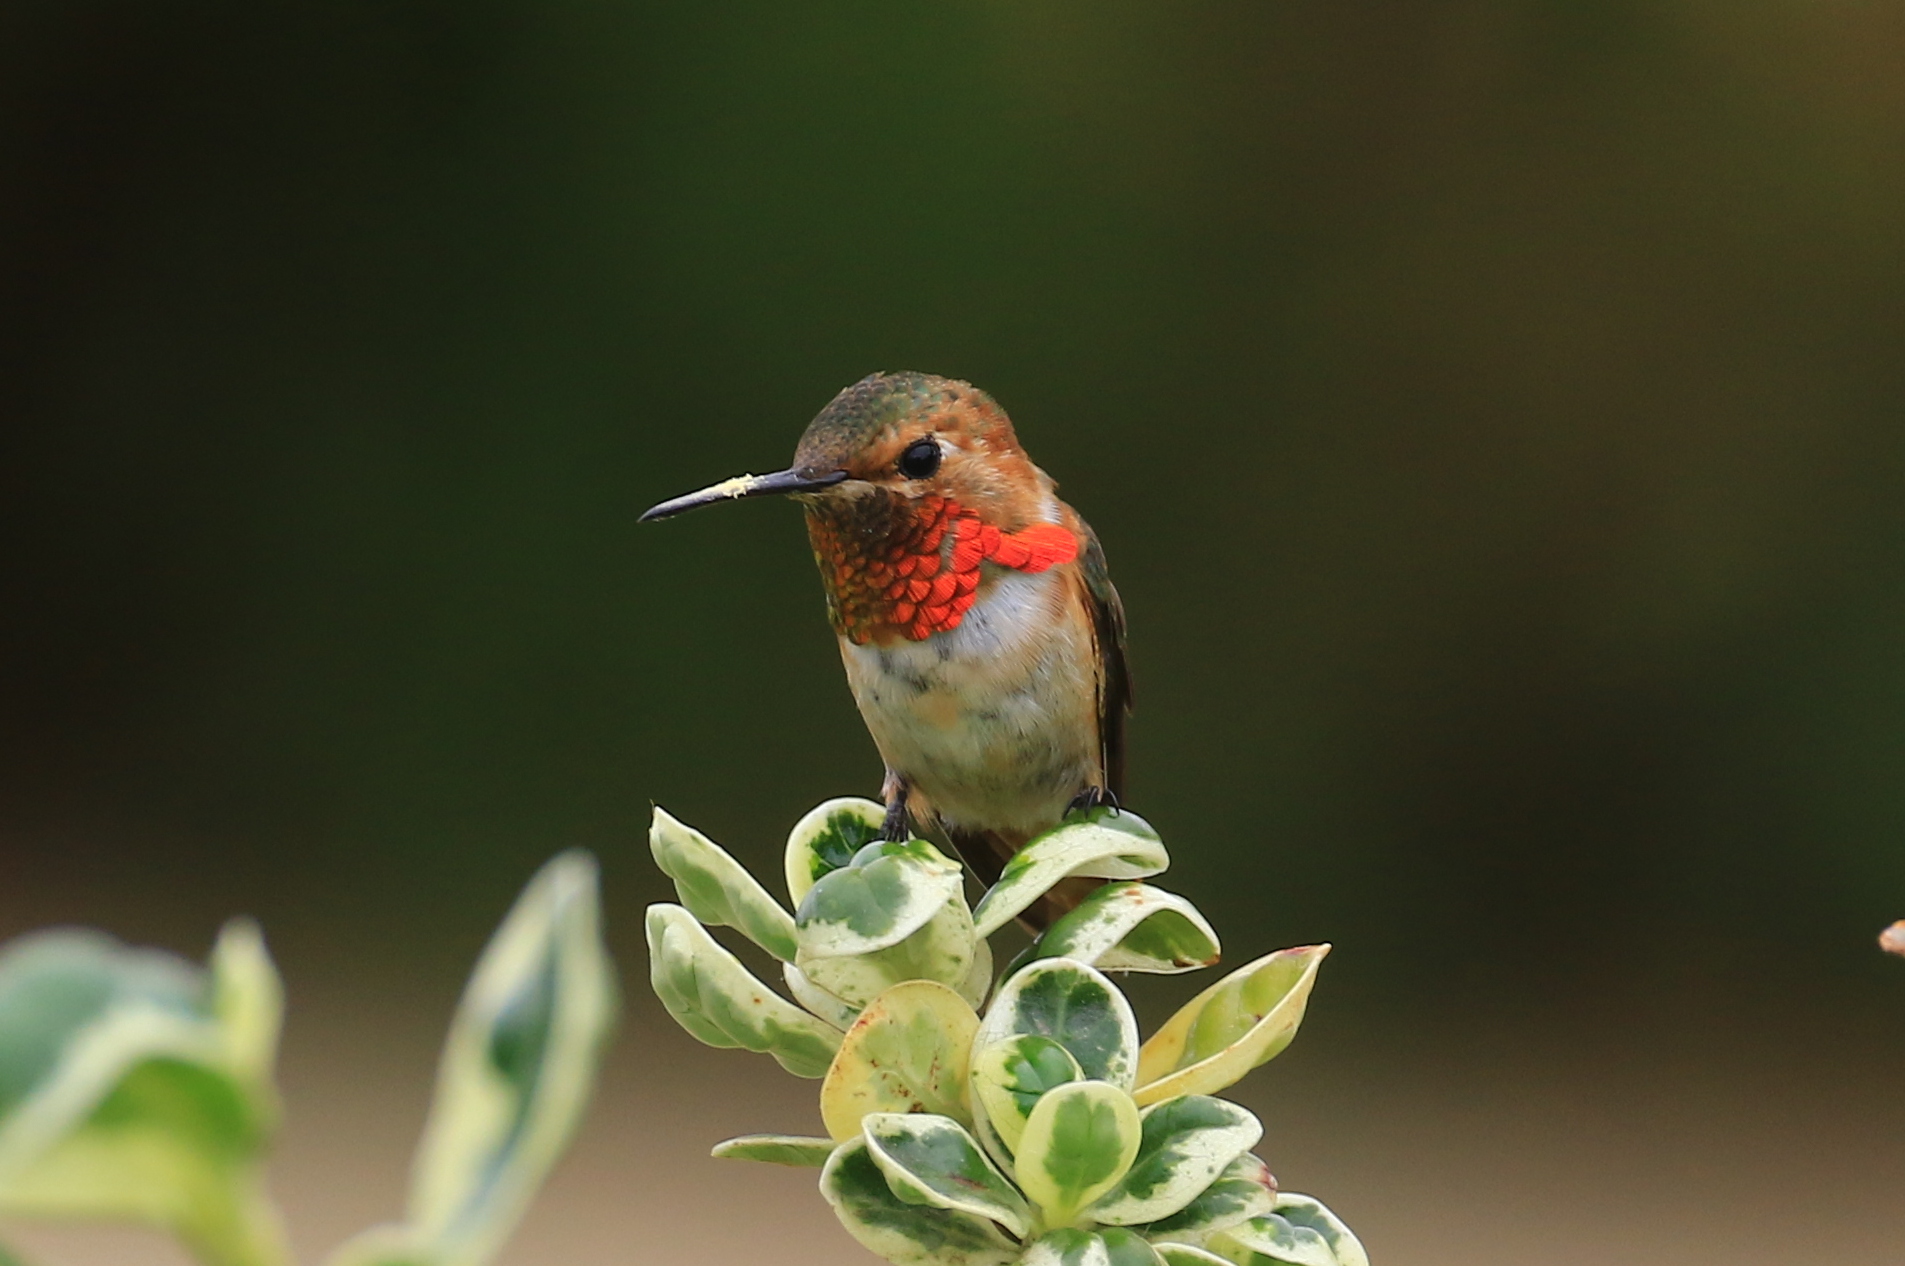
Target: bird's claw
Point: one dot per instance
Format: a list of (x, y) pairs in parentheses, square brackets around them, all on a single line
[(896, 829), (1092, 798)]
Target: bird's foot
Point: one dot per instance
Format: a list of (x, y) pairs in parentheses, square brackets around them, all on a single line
[(1091, 798), (896, 828)]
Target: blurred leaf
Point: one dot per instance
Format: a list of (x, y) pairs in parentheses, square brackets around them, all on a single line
[(1101, 843), (1078, 1142), (884, 895), (1243, 1020), (136, 1086), (931, 1159), (1244, 1190), (716, 889), (826, 839), (1111, 1246), (1132, 927), (908, 1051), (1009, 1077), (1076, 1006), (720, 1002), (904, 1233), (9, 1258), (516, 1073), (776, 1149), (53, 983), (1187, 1143), (1301, 1232), (248, 999)]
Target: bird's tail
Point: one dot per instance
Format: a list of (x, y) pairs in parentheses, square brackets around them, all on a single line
[(987, 852)]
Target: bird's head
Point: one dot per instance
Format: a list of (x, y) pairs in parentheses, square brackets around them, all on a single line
[(913, 486), (903, 437)]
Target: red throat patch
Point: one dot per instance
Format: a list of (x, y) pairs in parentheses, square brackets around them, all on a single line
[(914, 566)]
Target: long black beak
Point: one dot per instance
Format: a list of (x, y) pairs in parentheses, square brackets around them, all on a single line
[(744, 486)]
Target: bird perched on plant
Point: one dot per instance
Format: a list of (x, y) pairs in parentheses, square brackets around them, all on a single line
[(983, 640)]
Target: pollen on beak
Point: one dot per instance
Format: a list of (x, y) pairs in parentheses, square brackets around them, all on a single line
[(744, 486)]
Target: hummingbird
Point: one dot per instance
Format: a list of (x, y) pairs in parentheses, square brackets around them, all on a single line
[(983, 641)]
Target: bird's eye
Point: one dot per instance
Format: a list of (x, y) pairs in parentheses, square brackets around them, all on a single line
[(920, 459)]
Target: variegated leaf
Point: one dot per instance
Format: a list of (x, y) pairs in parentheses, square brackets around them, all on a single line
[(1300, 1232), (943, 950), (1079, 1141), (1076, 1006), (1100, 843), (716, 889), (1187, 1143), (885, 894), (1009, 1077), (835, 1010), (826, 839), (1244, 1190), (1132, 927), (798, 1150), (720, 1002), (908, 1052), (931, 1159), (978, 981), (1176, 1254), (1110, 1246), (901, 1233), (1243, 1020)]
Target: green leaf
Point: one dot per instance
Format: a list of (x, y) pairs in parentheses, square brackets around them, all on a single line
[(888, 892), (1125, 1248), (906, 1234), (720, 1002), (1187, 1143), (1069, 1246), (908, 1052), (827, 838), (1079, 1141), (1100, 843), (1301, 1232), (1176, 1254), (716, 889), (1076, 1006), (1132, 927), (776, 1149), (931, 1159), (515, 1075), (1009, 1077), (1244, 1190), (1243, 1020), (136, 1086)]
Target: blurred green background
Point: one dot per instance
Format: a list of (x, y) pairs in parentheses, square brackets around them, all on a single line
[(1491, 410)]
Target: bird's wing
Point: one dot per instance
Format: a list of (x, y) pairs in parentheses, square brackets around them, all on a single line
[(1114, 674)]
